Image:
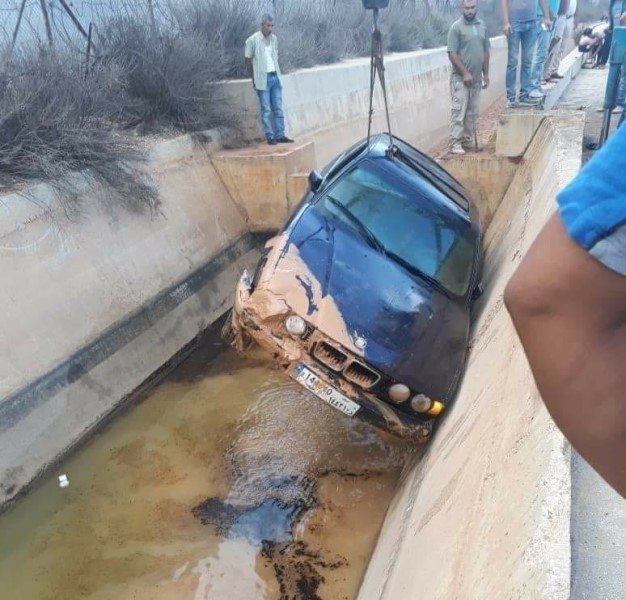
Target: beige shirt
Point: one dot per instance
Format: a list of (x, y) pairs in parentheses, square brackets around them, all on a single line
[(255, 51)]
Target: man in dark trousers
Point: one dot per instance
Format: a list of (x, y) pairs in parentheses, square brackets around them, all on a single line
[(468, 51), (261, 55)]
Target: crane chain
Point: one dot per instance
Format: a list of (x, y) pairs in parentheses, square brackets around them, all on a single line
[(377, 68)]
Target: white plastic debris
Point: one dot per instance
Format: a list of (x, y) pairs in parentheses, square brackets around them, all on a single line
[(63, 481)]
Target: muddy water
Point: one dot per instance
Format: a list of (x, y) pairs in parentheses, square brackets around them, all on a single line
[(227, 481)]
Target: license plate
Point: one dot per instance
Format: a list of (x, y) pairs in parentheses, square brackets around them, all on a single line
[(325, 392)]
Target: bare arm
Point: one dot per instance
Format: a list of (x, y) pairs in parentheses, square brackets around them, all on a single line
[(570, 313), (461, 68), (506, 25), (546, 12), (249, 69), (563, 7)]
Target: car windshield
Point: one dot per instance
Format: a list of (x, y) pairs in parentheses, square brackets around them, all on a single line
[(407, 218)]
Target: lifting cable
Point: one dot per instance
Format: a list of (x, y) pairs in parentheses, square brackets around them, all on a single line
[(377, 67)]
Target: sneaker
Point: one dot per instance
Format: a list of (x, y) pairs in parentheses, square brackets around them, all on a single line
[(536, 94), (511, 104), (556, 76), (528, 101), (457, 149), (618, 110), (272, 141), (284, 140)]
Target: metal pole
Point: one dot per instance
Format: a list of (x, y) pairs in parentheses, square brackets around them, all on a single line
[(88, 50), (76, 22), (617, 58), (17, 27), (44, 12)]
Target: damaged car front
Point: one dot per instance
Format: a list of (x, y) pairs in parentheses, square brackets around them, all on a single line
[(364, 297)]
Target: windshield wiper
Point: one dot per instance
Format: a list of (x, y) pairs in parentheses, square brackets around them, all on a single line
[(409, 267), (365, 232), (378, 245)]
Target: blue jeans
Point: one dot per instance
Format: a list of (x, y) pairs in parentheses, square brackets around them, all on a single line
[(541, 54), (524, 34), (271, 100)]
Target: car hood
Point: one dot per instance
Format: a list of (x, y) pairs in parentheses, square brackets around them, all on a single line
[(348, 290)]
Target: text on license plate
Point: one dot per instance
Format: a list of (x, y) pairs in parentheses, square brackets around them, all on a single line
[(324, 391)]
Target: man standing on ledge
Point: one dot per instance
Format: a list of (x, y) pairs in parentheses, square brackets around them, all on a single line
[(468, 51), (262, 63), (519, 19)]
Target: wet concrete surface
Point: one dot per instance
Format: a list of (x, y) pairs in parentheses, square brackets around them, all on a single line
[(226, 481), (598, 523)]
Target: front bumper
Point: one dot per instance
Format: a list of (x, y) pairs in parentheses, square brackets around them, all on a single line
[(371, 409)]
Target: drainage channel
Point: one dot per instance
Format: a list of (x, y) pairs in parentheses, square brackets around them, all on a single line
[(226, 481)]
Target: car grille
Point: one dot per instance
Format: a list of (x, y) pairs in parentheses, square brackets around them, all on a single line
[(361, 375), (332, 357)]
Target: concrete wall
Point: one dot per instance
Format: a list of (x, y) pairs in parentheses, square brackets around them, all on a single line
[(93, 307), (330, 104), (485, 512)]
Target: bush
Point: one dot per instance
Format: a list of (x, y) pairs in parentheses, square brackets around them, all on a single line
[(53, 124)]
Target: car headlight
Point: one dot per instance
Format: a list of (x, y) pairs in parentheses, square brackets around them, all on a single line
[(399, 393), (295, 325), (423, 404)]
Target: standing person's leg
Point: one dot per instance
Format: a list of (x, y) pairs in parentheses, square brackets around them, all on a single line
[(276, 100), (558, 55), (552, 64), (541, 55), (266, 113), (513, 41), (528, 41), (603, 54), (459, 97), (471, 115)]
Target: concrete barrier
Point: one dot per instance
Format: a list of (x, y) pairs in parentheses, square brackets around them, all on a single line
[(329, 104), (93, 307), (485, 513)]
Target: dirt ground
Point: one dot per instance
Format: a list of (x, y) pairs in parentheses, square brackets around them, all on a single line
[(486, 129)]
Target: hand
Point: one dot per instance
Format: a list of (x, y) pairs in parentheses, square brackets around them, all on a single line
[(547, 23), (507, 28), (468, 79), (485, 82)]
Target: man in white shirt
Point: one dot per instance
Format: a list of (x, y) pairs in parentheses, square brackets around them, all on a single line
[(261, 55)]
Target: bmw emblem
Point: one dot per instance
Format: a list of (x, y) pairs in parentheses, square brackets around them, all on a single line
[(360, 342)]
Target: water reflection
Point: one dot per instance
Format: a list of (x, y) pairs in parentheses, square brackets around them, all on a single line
[(295, 488)]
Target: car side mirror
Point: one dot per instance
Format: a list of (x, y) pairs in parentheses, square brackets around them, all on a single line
[(315, 180), (478, 292)]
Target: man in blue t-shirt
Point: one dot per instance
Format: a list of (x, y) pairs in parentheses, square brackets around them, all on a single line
[(568, 303), (519, 22)]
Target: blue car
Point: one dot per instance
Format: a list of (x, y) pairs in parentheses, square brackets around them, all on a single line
[(364, 297)]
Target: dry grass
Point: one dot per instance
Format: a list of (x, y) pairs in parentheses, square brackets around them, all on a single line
[(158, 76)]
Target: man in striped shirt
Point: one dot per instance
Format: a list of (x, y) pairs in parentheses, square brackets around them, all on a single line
[(261, 55)]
